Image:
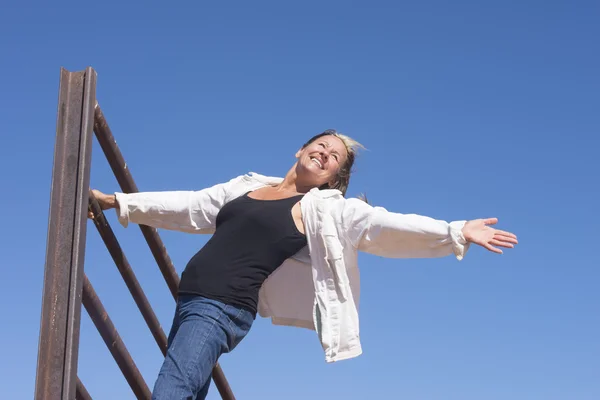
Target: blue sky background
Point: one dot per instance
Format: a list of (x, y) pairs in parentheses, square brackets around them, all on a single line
[(468, 109)]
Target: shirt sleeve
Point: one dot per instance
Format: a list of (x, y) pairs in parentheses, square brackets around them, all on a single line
[(184, 211), (380, 232)]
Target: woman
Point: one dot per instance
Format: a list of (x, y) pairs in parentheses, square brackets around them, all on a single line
[(285, 248)]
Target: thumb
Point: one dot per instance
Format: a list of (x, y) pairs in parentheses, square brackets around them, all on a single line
[(490, 221)]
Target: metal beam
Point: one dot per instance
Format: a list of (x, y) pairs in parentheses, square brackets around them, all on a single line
[(58, 344), (81, 392), (118, 256), (127, 184), (113, 341), (121, 170)]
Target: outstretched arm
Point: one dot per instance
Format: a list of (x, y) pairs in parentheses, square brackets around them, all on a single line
[(184, 211), (378, 231)]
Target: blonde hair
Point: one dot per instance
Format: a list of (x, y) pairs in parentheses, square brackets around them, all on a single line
[(352, 147)]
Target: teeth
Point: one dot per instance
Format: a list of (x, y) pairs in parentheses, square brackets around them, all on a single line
[(317, 162)]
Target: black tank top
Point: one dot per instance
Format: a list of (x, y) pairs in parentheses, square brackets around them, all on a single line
[(252, 238)]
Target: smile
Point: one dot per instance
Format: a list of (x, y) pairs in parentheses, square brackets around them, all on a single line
[(316, 161)]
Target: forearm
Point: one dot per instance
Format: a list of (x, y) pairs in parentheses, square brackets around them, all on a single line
[(173, 210), (377, 231), (413, 236), (186, 211), (380, 232)]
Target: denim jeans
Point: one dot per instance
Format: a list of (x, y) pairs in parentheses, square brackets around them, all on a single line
[(203, 330)]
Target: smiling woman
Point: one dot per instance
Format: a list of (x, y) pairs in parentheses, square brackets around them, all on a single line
[(341, 147), (285, 248)]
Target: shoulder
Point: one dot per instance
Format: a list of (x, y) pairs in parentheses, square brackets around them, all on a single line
[(260, 178), (326, 195), (342, 209), (242, 183), (348, 217), (250, 178), (335, 200)]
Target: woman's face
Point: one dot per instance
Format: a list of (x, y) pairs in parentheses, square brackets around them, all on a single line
[(320, 161)]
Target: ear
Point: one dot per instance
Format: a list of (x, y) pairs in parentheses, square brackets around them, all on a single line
[(298, 152)]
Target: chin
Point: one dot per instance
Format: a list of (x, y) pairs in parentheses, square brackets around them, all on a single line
[(309, 169), (310, 173)]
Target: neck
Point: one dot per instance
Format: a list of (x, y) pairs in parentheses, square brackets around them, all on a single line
[(291, 183)]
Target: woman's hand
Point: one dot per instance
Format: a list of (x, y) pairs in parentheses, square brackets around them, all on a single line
[(479, 232), (106, 201)]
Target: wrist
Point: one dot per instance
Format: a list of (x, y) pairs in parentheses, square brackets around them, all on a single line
[(109, 201), (466, 232)]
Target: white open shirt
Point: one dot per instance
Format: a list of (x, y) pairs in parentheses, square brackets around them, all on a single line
[(319, 287)]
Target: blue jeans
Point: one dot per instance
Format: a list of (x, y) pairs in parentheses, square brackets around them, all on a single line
[(202, 331)]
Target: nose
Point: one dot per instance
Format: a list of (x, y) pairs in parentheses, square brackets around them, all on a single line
[(324, 154)]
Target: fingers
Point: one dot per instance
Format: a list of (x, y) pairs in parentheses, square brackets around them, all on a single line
[(508, 239), (491, 239), (501, 243), (500, 234), (504, 233), (500, 240), (494, 221), (492, 248)]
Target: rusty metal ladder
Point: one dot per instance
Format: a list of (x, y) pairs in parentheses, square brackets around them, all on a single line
[(65, 284)]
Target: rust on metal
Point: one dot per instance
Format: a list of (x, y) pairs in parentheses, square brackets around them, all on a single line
[(81, 392), (58, 345), (118, 256), (65, 285), (113, 341), (221, 383), (127, 184)]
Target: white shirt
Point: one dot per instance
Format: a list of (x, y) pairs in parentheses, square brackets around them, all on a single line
[(319, 287)]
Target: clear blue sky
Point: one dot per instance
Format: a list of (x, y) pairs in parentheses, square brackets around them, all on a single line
[(468, 109)]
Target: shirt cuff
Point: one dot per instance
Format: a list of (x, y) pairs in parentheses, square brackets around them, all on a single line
[(460, 245), (122, 209)]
